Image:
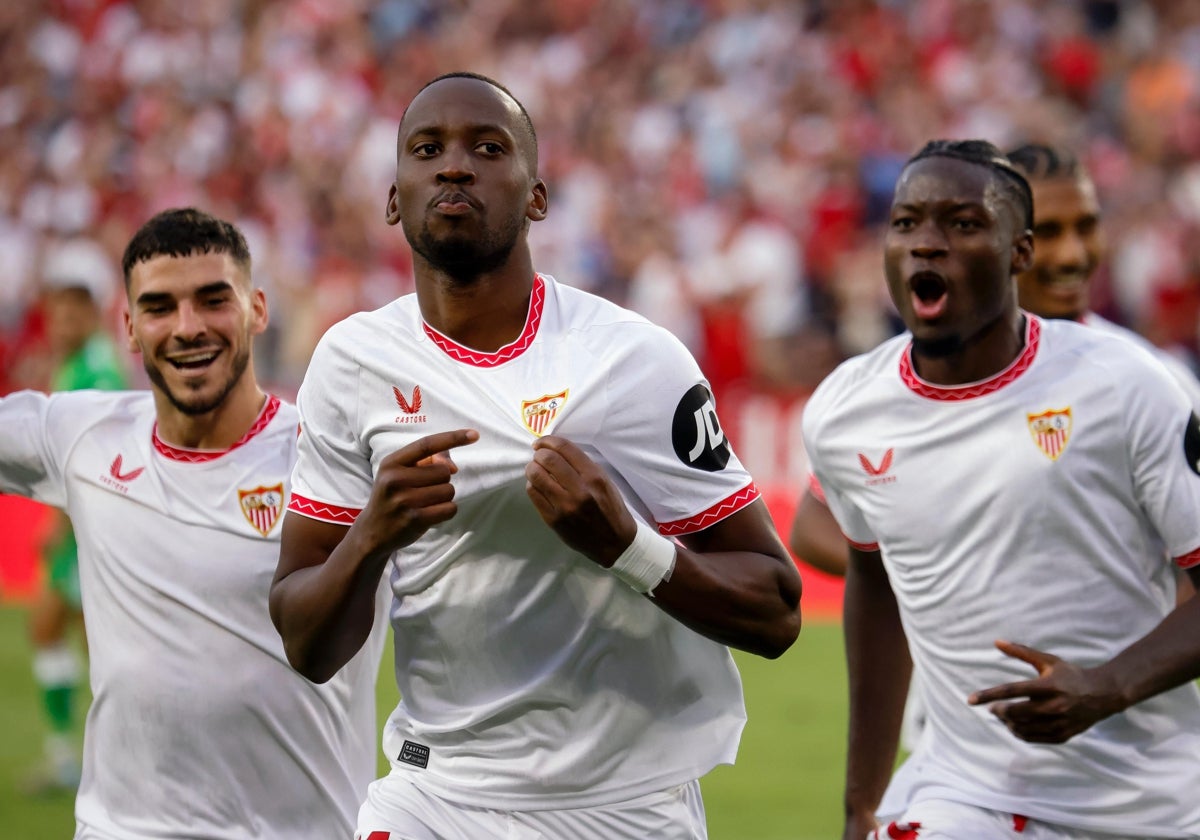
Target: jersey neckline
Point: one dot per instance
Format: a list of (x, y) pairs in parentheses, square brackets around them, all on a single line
[(956, 393), (200, 456), (479, 358)]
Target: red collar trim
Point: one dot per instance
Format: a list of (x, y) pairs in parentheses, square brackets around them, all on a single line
[(201, 456), (478, 358), (956, 393)]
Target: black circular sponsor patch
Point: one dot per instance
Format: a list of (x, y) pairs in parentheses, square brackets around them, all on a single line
[(1191, 443), (696, 432)]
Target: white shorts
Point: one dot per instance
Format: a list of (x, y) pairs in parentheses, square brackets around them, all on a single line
[(938, 819), (397, 809)]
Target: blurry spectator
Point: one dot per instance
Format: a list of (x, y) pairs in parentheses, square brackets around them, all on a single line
[(718, 158)]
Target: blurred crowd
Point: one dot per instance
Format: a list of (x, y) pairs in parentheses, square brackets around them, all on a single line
[(722, 166)]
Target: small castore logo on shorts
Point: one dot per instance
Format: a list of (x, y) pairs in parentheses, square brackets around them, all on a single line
[(414, 754)]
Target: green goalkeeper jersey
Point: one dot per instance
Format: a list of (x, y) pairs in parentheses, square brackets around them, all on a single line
[(95, 365)]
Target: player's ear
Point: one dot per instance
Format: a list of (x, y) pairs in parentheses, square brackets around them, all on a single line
[(261, 314), (539, 201), (130, 341), (1022, 252), (392, 212)]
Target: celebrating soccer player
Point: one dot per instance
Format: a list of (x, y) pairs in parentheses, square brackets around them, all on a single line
[(176, 497), (1007, 484), (569, 538)]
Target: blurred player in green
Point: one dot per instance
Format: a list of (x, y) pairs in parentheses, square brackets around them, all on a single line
[(78, 282)]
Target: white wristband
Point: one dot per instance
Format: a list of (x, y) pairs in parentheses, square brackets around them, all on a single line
[(647, 562)]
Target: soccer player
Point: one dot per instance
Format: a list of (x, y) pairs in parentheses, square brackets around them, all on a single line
[(1068, 247), (1023, 476), (176, 496), (78, 283), (519, 458)]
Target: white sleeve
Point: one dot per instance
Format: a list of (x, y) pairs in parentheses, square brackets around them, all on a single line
[(1164, 450), (31, 464), (332, 478), (1184, 376), (662, 435), (849, 518)]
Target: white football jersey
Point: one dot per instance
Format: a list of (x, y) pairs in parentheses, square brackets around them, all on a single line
[(1032, 507), (1183, 374), (531, 677), (198, 726)]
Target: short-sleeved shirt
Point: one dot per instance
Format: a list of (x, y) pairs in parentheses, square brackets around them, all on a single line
[(198, 726), (1182, 374), (95, 365), (531, 677), (1033, 507)]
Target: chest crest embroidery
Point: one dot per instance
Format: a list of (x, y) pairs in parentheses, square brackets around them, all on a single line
[(262, 506), (1051, 431), (539, 414)]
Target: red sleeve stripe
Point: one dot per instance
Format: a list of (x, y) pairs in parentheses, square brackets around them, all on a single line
[(863, 546), (323, 511), (1188, 560), (713, 515)]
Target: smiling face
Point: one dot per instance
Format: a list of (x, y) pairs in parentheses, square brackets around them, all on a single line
[(193, 320), (466, 186), (953, 244), (1067, 247)]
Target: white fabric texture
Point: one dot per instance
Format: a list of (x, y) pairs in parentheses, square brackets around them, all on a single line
[(994, 525), (531, 677), (198, 726)]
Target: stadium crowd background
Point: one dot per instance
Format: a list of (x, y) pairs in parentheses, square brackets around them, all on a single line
[(722, 166)]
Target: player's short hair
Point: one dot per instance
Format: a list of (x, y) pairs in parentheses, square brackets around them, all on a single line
[(182, 232), (526, 122), (1039, 161), (983, 153)]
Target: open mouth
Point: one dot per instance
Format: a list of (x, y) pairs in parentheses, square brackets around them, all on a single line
[(929, 294), (928, 286), (193, 361)]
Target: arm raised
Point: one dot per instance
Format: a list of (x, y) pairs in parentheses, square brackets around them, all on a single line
[(322, 597)]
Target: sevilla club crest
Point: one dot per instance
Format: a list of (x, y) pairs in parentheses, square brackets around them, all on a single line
[(262, 506), (1051, 430), (537, 415)]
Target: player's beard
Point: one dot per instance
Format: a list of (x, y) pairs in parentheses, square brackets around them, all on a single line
[(195, 405), (465, 258), (938, 348)]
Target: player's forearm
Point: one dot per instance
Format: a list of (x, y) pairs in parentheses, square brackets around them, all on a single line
[(816, 538), (879, 672), (1166, 657), (745, 600), (324, 613)]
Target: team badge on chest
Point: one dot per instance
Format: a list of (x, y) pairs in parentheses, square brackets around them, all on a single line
[(537, 415), (262, 506), (1051, 430)]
